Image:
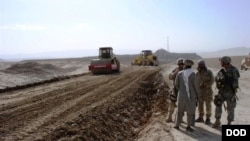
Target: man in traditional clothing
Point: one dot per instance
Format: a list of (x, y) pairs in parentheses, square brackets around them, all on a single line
[(188, 93), (174, 92)]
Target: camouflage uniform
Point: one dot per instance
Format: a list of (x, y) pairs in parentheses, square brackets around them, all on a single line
[(205, 80), (227, 83), (174, 92)]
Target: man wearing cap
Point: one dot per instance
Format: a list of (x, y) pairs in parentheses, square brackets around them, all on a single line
[(205, 79), (174, 92), (187, 86), (227, 82)]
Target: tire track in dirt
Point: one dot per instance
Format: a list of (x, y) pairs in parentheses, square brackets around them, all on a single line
[(96, 98), (38, 106), (38, 97), (49, 110), (19, 95), (118, 117)]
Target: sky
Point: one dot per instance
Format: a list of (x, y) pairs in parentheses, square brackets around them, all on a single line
[(129, 26)]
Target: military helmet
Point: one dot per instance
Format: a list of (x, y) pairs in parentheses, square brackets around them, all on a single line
[(225, 59), (180, 61), (201, 62)]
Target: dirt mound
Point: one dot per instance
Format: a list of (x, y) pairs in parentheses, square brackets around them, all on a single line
[(23, 73), (33, 67), (167, 57)]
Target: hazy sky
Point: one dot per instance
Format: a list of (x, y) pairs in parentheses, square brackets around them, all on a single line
[(33, 26)]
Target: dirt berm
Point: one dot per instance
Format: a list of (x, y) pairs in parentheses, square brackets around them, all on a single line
[(88, 107)]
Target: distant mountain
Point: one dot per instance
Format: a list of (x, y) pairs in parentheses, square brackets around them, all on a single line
[(237, 51), (165, 56)]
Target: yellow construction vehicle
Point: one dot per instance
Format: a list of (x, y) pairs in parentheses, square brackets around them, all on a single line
[(105, 63), (146, 58), (245, 63)]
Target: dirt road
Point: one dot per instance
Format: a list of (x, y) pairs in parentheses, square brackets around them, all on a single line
[(100, 107), (130, 105)]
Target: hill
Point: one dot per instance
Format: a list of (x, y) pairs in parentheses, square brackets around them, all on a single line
[(166, 57), (237, 51)]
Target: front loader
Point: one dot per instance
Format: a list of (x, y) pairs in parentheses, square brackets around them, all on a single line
[(146, 58)]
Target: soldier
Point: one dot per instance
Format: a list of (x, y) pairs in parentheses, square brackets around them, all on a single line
[(205, 79), (173, 94), (227, 83), (188, 94)]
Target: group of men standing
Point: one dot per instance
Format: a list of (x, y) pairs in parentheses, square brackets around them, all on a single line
[(192, 89)]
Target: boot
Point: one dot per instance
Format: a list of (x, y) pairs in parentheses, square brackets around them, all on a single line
[(189, 129), (207, 121), (176, 127), (200, 119), (169, 119), (216, 123)]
